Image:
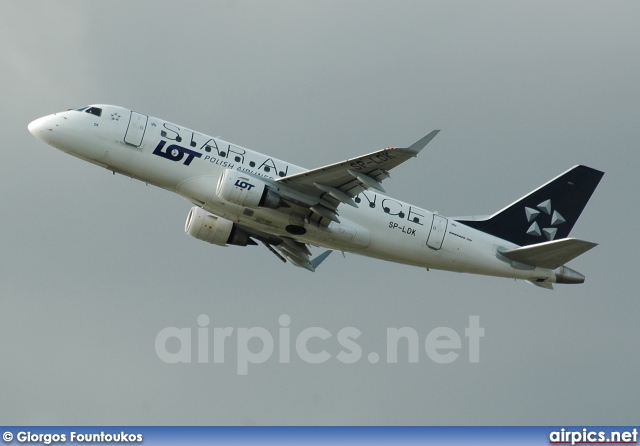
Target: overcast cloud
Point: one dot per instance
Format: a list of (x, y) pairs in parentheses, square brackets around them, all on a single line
[(93, 266)]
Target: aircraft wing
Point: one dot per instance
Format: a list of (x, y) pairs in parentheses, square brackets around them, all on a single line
[(297, 253), (340, 182), (315, 195), (289, 249)]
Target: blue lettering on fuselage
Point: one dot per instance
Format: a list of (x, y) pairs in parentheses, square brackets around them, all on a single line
[(175, 153), (223, 155)]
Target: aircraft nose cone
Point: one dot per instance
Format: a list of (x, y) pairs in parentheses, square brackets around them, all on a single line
[(38, 128)]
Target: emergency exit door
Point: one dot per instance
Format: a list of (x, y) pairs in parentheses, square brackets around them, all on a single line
[(437, 233), (135, 131)]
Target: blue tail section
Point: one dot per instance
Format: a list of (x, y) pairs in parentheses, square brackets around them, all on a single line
[(547, 213)]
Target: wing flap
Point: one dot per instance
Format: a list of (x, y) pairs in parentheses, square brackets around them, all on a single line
[(549, 254)]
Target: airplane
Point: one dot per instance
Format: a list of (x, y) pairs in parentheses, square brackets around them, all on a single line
[(242, 197)]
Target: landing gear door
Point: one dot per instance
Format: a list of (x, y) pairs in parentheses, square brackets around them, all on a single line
[(437, 233), (136, 128)]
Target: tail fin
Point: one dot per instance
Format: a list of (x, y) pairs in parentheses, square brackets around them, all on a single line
[(547, 213)]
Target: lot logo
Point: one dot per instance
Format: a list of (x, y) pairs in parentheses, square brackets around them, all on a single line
[(176, 153), (244, 185)]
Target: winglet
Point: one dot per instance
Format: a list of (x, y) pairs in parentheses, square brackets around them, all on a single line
[(315, 262), (417, 146)]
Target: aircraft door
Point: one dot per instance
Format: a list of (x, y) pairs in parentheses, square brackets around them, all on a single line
[(136, 128), (437, 233)]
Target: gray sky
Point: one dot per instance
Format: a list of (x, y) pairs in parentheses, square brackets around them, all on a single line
[(93, 266)]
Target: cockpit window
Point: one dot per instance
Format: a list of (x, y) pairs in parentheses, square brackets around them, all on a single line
[(94, 111)]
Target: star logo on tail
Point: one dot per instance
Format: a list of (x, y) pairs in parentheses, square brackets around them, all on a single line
[(543, 209)]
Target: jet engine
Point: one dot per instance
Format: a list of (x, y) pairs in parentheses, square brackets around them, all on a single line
[(211, 229), (245, 190)]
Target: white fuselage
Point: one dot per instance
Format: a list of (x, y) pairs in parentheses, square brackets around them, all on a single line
[(190, 163)]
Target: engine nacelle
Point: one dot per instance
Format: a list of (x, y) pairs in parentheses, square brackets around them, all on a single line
[(238, 188), (211, 229)]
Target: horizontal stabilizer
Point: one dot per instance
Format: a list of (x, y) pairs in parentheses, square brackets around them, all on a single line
[(549, 254)]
